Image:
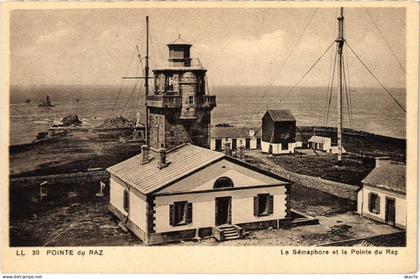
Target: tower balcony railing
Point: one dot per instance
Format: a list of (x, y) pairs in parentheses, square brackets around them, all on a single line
[(170, 101), (207, 101), (196, 62), (184, 62), (164, 101)]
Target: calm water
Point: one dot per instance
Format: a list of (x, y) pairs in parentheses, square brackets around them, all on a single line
[(372, 109)]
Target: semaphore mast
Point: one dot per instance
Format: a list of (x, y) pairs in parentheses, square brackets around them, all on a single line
[(146, 83), (340, 42)]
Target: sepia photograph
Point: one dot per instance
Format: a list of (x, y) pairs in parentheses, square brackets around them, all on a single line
[(214, 126)]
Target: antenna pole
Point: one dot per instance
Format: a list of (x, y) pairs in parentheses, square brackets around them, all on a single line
[(146, 82), (340, 42)]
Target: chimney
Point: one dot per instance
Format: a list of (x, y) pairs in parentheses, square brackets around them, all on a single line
[(162, 158), (145, 152), (227, 148), (381, 161), (241, 154)]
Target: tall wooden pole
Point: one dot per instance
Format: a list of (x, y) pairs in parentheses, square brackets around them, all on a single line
[(146, 83), (340, 42)]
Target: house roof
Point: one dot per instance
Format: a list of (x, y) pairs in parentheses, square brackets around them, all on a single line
[(184, 161), (319, 139), (281, 115), (232, 132), (148, 177), (180, 41), (390, 176)]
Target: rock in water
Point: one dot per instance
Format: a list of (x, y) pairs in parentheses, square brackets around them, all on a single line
[(71, 119), (116, 122)]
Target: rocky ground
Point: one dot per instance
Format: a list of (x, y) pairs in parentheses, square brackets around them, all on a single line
[(78, 223), (76, 152)]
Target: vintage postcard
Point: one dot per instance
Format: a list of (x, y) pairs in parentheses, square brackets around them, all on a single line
[(209, 137)]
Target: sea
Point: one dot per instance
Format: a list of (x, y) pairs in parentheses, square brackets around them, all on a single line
[(371, 109)]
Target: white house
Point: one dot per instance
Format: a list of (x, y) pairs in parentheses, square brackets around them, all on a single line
[(383, 194), (324, 144), (191, 191), (320, 143), (236, 136)]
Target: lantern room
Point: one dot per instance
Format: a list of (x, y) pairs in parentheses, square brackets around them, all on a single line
[(179, 53)]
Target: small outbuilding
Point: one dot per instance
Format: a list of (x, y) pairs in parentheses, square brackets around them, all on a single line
[(324, 144), (236, 136), (320, 143), (383, 194), (279, 132), (191, 192)]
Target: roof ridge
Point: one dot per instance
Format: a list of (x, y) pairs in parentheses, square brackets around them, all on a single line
[(178, 147)]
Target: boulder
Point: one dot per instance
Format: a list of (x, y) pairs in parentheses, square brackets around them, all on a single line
[(71, 119), (116, 122)]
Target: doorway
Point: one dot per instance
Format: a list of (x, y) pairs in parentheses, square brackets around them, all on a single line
[(270, 149), (258, 143), (218, 144), (390, 211), (223, 210), (247, 143), (234, 144)]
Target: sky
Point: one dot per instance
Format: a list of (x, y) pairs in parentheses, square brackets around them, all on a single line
[(237, 46)]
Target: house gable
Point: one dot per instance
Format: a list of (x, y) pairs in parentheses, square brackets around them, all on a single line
[(242, 176)]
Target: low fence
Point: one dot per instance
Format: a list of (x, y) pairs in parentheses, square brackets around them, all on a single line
[(341, 190), (65, 178)]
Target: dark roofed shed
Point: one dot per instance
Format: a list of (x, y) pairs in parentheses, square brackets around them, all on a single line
[(278, 126)]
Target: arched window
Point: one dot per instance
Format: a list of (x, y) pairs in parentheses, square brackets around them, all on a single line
[(223, 182)]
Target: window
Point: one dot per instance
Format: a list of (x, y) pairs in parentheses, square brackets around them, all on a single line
[(258, 142), (169, 83), (263, 205), (223, 182), (374, 203), (180, 213), (284, 146), (126, 200), (191, 100)]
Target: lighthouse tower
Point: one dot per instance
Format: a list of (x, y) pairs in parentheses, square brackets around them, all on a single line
[(179, 110)]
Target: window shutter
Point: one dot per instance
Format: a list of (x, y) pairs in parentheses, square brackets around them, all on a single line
[(172, 214), (378, 204), (126, 201), (189, 213), (256, 206), (270, 204)]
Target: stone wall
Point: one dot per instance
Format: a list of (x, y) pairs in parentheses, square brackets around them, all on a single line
[(337, 189), (65, 178)]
